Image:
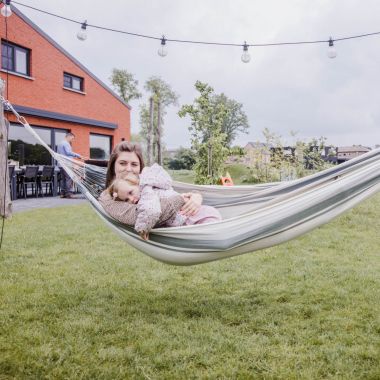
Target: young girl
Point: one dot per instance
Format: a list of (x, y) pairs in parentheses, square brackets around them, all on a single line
[(154, 184)]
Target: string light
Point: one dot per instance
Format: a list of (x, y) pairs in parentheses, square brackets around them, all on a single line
[(331, 51), (6, 9), (162, 51), (82, 34), (245, 57)]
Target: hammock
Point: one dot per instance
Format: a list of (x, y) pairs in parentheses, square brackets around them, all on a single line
[(255, 217)]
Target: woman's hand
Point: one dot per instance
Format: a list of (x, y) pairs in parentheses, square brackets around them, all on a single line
[(193, 202)]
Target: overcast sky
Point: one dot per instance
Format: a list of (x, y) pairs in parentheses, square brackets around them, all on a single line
[(283, 88)]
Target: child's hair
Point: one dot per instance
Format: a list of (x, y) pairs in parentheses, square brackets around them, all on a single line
[(131, 178)]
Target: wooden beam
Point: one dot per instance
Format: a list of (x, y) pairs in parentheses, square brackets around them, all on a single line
[(5, 199)]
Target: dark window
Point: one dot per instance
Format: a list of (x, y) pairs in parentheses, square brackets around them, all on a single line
[(15, 58), (25, 149), (72, 81), (100, 146)]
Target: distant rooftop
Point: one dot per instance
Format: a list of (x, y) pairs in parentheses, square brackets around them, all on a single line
[(354, 148)]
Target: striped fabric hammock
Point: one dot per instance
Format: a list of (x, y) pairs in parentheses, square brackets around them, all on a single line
[(254, 217)]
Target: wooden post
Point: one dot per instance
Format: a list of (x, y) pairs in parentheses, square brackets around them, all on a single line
[(5, 199)]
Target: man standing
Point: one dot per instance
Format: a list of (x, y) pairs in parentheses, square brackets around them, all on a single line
[(64, 148)]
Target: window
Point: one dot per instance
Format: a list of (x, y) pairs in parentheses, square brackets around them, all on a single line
[(100, 146), (15, 58), (73, 82), (24, 148)]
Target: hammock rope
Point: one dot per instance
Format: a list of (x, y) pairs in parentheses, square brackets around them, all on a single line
[(254, 217)]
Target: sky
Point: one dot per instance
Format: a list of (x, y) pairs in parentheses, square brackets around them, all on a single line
[(283, 88)]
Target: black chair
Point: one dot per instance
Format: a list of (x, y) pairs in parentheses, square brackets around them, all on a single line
[(46, 179), (29, 178), (59, 181), (12, 173)]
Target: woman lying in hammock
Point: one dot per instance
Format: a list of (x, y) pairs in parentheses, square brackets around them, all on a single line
[(146, 190), (126, 158)]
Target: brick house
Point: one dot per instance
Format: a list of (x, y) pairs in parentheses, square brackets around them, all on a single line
[(257, 153), (56, 94), (345, 153)]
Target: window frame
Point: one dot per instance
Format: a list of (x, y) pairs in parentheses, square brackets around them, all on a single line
[(12, 58), (100, 135), (70, 78)]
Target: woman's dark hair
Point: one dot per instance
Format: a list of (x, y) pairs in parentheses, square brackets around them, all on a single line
[(124, 146)]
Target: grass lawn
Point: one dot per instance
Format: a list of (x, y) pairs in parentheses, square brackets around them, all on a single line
[(182, 175), (237, 172), (78, 303)]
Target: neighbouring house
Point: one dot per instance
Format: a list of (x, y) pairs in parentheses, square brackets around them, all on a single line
[(345, 153), (257, 153), (56, 94)]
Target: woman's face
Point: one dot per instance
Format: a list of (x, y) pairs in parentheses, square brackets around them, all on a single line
[(127, 162)]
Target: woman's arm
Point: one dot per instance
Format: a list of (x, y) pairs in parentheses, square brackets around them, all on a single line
[(127, 213), (122, 211)]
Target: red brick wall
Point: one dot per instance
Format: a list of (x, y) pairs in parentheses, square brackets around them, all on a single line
[(46, 90)]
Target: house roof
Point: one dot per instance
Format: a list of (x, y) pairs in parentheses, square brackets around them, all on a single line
[(67, 54), (256, 145), (351, 149)]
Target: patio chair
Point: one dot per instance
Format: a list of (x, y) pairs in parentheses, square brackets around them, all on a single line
[(46, 179), (29, 178)]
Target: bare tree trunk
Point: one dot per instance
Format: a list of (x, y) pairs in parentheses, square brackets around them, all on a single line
[(158, 132), (154, 134), (150, 132), (5, 200)]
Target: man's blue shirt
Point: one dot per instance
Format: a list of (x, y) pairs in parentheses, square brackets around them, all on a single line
[(64, 148)]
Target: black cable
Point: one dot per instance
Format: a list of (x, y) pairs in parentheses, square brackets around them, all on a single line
[(6, 159), (197, 42)]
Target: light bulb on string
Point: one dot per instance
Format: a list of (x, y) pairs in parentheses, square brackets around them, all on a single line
[(6, 9), (82, 34), (331, 51), (162, 51), (245, 57)]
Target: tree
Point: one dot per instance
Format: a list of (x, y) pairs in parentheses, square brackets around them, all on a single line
[(313, 154), (235, 119), (145, 133), (125, 84), (237, 151), (208, 141), (161, 96)]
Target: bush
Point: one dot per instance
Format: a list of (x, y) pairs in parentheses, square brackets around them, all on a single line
[(183, 159)]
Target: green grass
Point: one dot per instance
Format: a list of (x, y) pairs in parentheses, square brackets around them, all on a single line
[(237, 172), (78, 303), (182, 175)]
